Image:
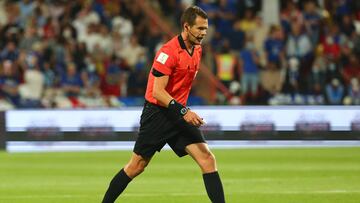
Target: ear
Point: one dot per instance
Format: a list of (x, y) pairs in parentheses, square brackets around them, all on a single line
[(186, 26)]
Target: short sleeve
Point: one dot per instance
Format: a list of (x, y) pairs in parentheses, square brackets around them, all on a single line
[(164, 61)]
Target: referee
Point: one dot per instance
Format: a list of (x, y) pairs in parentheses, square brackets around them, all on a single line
[(165, 117)]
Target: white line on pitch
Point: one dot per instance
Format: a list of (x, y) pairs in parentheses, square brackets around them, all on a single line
[(180, 194)]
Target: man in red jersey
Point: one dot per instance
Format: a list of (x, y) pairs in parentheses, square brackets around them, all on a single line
[(165, 117)]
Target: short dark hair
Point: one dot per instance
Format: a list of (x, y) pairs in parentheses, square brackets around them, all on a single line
[(190, 14)]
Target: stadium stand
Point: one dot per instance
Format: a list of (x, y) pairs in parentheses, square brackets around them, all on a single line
[(96, 53)]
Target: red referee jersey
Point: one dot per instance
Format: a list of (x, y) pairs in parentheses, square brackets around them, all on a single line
[(174, 60)]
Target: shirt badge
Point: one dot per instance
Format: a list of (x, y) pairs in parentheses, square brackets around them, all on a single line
[(162, 58)]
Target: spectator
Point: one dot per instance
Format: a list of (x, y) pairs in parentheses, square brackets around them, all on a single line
[(92, 38), (342, 8), (356, 44), (317, 76), (50, 79), (354, 92), (51, 82), (334, 92), (49, 29), (31, 90), (291, 83), (332, 69), (91, 80), (56, 9), (248, 24), (123, 27), (254, 5), (134, 54), (270, 77), (68, 32), (312, 21), (84, 18), (225, 17), (154, 38), (260, 35), (10, 52), (298, 43), (352, 69), (332, 42), (299, 46), (249, 64), (139, 21), (91, 96), (225, 64), (79, 55), (112, 81), (9, 83), (3, 17), (29, 39), (168, 7), (274, 48), (290, 14), (10, 29), (40, 18), (105, 43), (347, 26), (137, 82), (71, 82), (27, 8)]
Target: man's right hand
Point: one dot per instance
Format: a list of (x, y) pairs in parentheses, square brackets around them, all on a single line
[(193, 119)]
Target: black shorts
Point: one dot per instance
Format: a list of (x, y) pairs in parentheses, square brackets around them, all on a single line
[(157, 129)]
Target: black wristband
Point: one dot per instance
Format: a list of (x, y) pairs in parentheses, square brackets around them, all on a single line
[(177, 109)]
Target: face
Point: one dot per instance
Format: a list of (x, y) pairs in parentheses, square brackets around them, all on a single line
[(198, 31), (7, 68), (71, 69)]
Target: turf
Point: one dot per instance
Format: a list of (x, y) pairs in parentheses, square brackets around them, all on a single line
[(300, 175)]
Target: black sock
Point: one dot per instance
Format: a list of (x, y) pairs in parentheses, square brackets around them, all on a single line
[(214, 187), (116, 187)]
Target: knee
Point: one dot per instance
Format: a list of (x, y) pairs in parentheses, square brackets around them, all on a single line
[(208, 162), (135, 169), (211, 159)]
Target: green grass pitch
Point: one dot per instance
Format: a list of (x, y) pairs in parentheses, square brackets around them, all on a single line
[(297, 175)]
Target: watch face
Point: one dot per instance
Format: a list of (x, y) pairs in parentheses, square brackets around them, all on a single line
[(183, 111)]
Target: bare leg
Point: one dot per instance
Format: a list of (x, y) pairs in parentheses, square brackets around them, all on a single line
[(201, 153), (136, 165)]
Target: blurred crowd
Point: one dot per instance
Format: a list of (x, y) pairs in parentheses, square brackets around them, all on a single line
[(311, 56), (73, 53), (97, 53)]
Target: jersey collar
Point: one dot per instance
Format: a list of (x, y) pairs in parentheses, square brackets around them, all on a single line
[(183, 46)]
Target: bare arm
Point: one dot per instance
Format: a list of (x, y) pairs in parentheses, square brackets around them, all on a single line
[(159, 92), (164, 98)]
